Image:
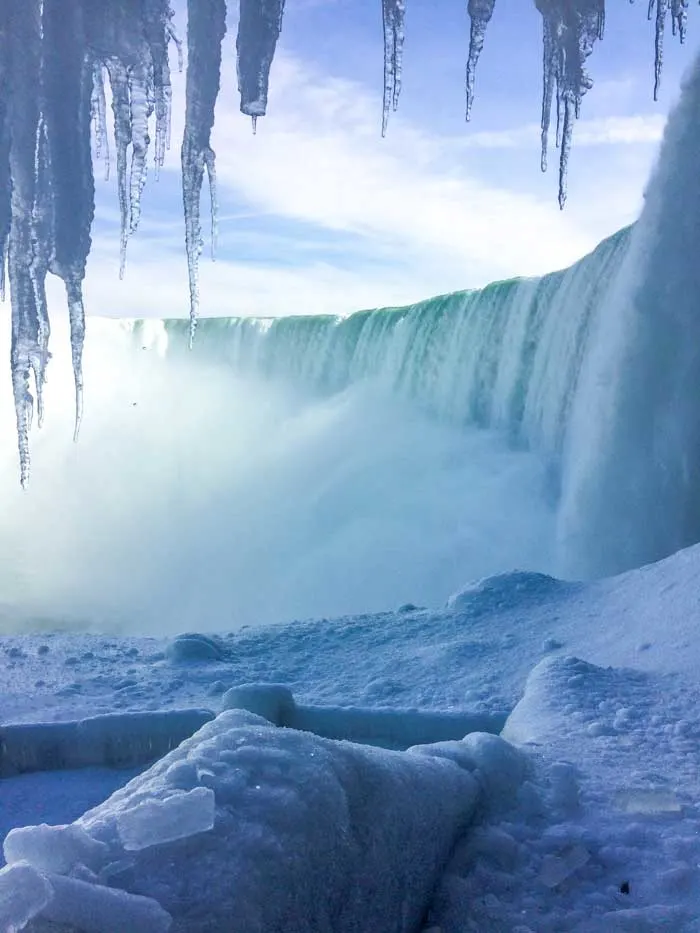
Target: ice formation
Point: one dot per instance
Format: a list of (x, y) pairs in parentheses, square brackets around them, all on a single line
[(251, 828), (54, 58), (394, 12)]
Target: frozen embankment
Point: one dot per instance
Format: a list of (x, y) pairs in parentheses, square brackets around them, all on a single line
[(246, 827)]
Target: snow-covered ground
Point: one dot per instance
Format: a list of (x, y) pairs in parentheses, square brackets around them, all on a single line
[(595, 826)]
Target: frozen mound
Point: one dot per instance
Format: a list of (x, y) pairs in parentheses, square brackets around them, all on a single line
[(195, 647), (516, 588), (248, 828)]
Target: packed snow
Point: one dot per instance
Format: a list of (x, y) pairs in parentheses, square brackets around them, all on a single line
[(584, 819)]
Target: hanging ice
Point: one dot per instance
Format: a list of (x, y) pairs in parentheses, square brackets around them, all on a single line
[(259, 29), (569, 33), (206, 26), (394, 12), (480, 12), (54, 55), (30, 231), (679, 17)]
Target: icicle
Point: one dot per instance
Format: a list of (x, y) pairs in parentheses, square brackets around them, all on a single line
[(69, 107), (5, 180), (661, 11), (569, 32), (30, 234), (259, 27), (141, 106), (480, 12), (98, 106), (394, 12), (549, 77), (206, 27), (679, 18), (159, 32), (119, 82)]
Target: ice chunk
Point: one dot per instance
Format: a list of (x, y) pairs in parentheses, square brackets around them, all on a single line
[(93, 908), (154, 822), (24, 893), (56, 849)]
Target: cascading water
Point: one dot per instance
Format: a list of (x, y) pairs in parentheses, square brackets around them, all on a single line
[(305, 466), (632, 491)]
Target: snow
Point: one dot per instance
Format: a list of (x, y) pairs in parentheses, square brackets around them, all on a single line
[(586, 819)]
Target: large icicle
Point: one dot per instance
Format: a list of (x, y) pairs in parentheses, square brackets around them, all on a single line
[(5, 180), (259, 29), (480, 13), (206, 27), (130, 37), (30, 233), (68, 110), (679, 18), (570, 30), (394, 13)]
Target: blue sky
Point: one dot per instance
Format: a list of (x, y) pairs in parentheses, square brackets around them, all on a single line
[(319, 214)]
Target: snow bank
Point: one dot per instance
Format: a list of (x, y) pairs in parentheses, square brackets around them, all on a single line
[(116, 740), (387, 728), (307, 834)]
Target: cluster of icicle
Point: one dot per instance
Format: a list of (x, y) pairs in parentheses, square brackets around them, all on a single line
[(55, 57)]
